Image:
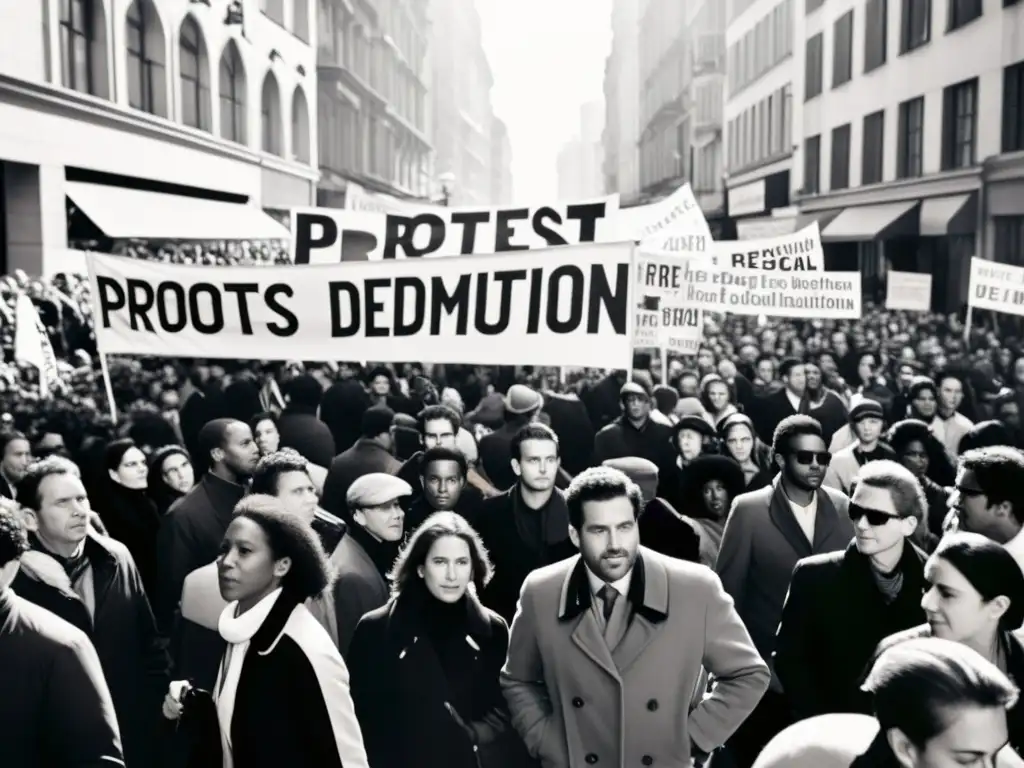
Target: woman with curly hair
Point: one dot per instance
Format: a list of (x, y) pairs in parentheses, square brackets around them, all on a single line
[(282, 693), (922, 453), (425, 665)]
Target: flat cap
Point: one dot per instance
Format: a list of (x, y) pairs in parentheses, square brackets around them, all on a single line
[(866, 409), (695, 424), (521, 399), (375, 490), (635, 468), (632, 388)]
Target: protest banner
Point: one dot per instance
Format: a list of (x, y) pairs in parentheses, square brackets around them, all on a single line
[(679, 212), (908, 290), (663, 319), (794, 252), (332, 235), (560, 306), (996, 287)]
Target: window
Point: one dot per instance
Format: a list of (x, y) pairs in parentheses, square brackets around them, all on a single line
[(812, 71), (917, 24), (842, 50), (300, 126), (78, 46), (270, 116), (1013, 108), (300, 19), (962, 12), (959, 124), (1009, 241), (876, 37), (910, 139), (812, 165), (232, 95), (840, 177), (274, 9), (195, 79), (873, 148), (812, 6), (145, 40)]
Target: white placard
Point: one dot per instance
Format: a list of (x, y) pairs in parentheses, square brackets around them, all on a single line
[(908, 290)]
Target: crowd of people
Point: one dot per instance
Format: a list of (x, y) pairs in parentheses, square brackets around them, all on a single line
[(800, 547)]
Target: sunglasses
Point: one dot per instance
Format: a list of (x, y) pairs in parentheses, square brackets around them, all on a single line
[(874, 516), (824, 458)]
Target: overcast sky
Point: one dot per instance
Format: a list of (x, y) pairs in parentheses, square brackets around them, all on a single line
[(548, 59)]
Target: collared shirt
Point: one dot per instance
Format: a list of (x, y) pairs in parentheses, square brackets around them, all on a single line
[(793, 400), (805, 515), (619, 617), (1015, 547)]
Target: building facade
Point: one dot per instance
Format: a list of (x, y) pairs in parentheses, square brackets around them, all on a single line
[(580, 162), (759, 115), (371, 73), (622, 102), (115, 101), (706, 23), (460, 96), (501, 164), (912, 136)]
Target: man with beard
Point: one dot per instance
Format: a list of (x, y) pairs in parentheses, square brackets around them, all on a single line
[(989, 497), (191, 532), (634, 433), (867, 422), (606, 650), (526, 527), (766, 533), (823, 405)]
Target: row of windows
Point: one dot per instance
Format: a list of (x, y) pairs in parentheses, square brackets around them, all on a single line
[(666, 83), (764, 46), (958, 141), (762, 132), (275, 10), (83, 68), (665, 155), (842, 57)]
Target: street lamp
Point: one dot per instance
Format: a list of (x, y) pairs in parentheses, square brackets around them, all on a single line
[(447, 181)]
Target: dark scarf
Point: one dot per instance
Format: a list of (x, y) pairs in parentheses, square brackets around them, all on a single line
[(73, 566), (382, 553), (881, 452), (441, 622), (553, 527)]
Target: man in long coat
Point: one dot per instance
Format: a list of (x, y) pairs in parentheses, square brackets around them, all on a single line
[(607, 649)]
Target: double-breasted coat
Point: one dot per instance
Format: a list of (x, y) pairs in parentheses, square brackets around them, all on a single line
[(575, 702)]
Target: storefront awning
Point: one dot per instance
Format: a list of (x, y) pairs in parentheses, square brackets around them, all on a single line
[(954, 215), (124, 214), (824, 218), (873, 222)]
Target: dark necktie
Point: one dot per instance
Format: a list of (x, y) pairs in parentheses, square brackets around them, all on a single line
[(608, 595)]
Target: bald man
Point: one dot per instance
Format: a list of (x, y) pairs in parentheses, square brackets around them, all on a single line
[(192, 530)]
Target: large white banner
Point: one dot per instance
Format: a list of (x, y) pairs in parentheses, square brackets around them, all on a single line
[(997, 287), (677, 213), (794, 252), (333, 235), (560, 306)]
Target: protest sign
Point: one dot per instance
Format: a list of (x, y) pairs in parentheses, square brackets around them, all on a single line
[(697, 283), (679, 212), (560, 306), (997, 287), (663, 320), (795, 252), (332, 235), (908, 290)]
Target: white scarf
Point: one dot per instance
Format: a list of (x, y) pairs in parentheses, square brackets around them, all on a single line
[(237, 631)]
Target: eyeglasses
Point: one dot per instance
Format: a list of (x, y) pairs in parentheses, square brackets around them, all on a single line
[(824, 458), (874, 516)]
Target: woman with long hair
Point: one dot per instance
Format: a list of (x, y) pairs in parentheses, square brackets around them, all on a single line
[(717, 397), (425, 665), (740, 443), (282, 693), (921, 452), (974, 595)]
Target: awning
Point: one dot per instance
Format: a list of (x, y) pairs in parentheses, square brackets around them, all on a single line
[(124, 214), (824, 218), (954, 215), (873, 222)]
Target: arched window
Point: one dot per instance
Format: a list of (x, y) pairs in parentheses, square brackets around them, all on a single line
[(270, 115), (83, 43), (145, 37), (300, 126), (232, 95), (195, 76)]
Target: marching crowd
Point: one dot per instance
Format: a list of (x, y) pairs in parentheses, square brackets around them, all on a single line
[(801, 547)]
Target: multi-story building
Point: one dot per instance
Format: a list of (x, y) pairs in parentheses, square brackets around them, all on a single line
[(460, 95), (371, 65), (501, 163), (152, 119), (580, 162), (912, 135), (705, 22), (622, 104), (759, 115)]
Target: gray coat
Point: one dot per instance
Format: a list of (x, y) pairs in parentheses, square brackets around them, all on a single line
[(358, 589)]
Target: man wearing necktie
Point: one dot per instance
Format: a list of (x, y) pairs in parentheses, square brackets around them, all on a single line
[(607, 648)]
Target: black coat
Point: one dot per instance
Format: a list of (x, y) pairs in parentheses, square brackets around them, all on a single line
[(833, 619), (305, 433), (496, 456), (513, 557), (123, 632), (620, 438), (57, 709), (400, 684), (131, 517), (575, 430)]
